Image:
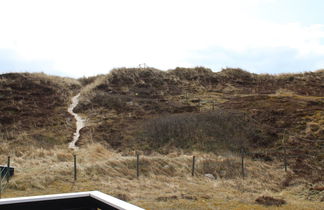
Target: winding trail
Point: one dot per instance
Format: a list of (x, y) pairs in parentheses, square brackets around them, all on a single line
[(79, 122)]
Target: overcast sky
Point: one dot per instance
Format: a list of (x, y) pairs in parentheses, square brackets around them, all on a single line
[(87, 37)]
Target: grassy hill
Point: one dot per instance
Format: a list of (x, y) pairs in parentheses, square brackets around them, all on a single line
[(147, 109), (168, 116), (33, 108)]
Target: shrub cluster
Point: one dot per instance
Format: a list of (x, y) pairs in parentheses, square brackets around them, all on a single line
[(206, 131)]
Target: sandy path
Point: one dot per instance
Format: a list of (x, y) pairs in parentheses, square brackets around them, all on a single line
[(79, 121)]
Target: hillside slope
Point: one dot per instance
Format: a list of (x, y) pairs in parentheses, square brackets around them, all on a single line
[(168, 116), (147, 109), (33, 108), (129, 96)]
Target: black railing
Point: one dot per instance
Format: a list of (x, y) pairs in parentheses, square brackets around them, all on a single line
[(4, 179)]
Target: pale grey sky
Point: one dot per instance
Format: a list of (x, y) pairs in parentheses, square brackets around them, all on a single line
[(86, 37)]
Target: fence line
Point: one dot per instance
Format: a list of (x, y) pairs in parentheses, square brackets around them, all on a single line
[(282, 153)]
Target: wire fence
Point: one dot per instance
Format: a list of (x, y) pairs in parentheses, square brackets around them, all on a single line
[(287, 154)]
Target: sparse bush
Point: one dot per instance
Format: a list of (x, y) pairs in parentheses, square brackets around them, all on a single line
[(207, 131)]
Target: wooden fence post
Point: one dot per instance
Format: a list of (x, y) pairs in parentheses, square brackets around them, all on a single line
[(242, 162), (137, 165), (8, 169), (75, 167), (193, 166)]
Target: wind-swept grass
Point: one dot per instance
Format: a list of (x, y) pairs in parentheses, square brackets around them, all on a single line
[(165, 180)]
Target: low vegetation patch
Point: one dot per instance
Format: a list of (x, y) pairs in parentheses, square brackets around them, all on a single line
[(270, 201), (209, 131)]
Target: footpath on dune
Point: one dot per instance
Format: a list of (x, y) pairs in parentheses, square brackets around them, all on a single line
[(80, 123)]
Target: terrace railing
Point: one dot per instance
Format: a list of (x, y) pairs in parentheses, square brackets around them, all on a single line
[(4, 179)]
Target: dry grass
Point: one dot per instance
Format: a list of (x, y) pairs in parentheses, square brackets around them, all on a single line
[(62, 81), (89, 87), (165, 181)]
